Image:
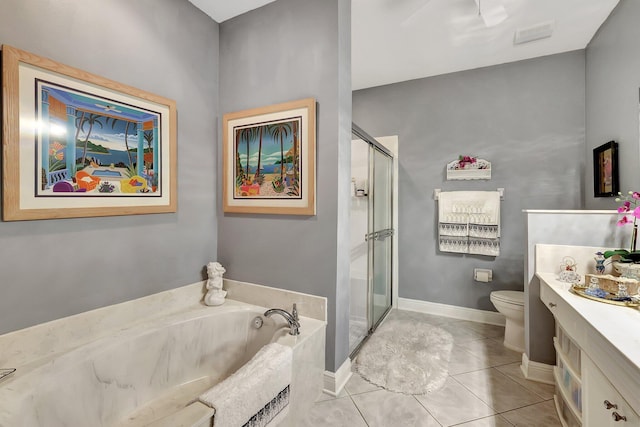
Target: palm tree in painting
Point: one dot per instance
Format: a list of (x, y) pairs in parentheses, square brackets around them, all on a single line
[(148, 136), (148, 156), (280, 131), (114, 121), (92, 120), (79, 121), (296, 161), (247, 135), (258, 174), (294, 189)]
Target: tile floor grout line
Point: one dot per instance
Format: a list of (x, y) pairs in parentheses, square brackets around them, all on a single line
[(495, 412), (478, 419), (359, 411), (478, 397), (524, 385), (427, 409), (512, 380)]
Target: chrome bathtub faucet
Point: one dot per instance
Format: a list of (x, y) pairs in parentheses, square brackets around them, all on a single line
[(294, 324)]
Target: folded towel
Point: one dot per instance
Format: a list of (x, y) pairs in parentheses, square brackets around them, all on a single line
[(260, 388), (475, 214)]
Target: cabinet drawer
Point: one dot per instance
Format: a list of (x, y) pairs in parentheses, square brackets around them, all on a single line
[(571, 322), (604, 406)]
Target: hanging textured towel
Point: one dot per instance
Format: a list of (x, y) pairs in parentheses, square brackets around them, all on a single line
[(257, 394), (453, 224), (469, 222), (484, 226)]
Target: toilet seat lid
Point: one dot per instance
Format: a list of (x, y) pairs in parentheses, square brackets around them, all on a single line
[(511, 297)]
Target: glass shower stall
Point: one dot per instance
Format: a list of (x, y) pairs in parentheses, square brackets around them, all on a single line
[(371, 236)]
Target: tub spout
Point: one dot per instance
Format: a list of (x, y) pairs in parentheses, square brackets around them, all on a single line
[(294, 324)]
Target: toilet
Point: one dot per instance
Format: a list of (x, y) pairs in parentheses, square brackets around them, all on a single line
[(511, 304)]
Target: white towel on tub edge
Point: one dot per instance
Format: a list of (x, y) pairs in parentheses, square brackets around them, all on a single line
[(250, 388)]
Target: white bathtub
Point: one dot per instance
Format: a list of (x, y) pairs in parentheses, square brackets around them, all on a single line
[(153, 371)]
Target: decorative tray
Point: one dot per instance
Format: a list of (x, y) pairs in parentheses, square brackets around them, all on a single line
[(608, 299)]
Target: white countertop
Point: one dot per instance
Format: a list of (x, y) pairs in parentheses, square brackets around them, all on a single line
[(610, 335), (618, 325)]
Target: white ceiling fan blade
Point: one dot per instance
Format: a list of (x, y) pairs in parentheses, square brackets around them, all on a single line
[(492, 12)]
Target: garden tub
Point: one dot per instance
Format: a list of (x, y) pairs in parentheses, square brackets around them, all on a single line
[(151, 372)]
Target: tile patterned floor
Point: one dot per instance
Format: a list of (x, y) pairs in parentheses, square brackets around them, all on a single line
[(485, 388)]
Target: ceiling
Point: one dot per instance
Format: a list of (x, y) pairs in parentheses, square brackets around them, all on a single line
[(398, 40), (221, 10)]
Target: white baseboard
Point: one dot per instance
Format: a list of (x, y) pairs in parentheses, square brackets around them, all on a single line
[(463, 313), (335, 382), (536, 371)]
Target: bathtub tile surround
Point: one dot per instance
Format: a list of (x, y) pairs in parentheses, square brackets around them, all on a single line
[(308, 305), (485, 387), (47, 339), (146, 361)]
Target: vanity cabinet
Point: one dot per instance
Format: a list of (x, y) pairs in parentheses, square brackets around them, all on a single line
[(605, 406), (597, 372), (567, 374)]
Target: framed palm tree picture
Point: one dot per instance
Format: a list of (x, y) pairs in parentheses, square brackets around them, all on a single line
[(80, 145), (269, 159)]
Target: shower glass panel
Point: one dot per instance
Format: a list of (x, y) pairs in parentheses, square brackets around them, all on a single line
[(381, 232), (359, 294), (371, 237)]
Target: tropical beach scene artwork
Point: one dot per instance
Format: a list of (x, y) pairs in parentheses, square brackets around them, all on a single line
[(93, 146), (267, 160), (270, 158)]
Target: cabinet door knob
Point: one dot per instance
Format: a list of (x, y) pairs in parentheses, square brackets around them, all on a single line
[(617, 417), (610, 405), (551, 304)]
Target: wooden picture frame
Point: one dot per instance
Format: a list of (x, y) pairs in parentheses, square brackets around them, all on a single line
[(605, 170), (79, 145), (269, 157)]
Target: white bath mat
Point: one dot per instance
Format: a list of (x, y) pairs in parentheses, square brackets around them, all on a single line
[(406, 357)]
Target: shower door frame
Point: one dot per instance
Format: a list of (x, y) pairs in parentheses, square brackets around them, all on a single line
[(375, 145)]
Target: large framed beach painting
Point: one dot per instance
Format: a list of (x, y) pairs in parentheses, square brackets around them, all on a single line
[(80, 145), (269, 159)]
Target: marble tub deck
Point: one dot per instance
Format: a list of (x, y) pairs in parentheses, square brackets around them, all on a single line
[(485, 388), (140, 362)]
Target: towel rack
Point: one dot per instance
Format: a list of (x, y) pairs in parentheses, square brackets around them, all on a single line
[(436, 193)]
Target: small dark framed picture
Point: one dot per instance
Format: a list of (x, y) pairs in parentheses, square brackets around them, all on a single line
[(605, 170)]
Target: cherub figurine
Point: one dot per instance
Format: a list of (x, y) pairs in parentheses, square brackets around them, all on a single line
[(215, 294)]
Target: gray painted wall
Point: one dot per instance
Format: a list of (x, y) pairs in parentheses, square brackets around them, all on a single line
[(527, 118), (287, 50), (613, 79), (54, 268)]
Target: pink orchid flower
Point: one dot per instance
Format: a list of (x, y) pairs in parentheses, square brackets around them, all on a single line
[(636, 212), (624, 220), (636, 195), (626, 207)]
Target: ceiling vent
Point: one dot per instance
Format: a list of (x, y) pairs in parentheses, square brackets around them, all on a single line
[(534, 32)]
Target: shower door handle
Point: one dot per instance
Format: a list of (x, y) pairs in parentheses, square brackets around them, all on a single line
[(379, 235)]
